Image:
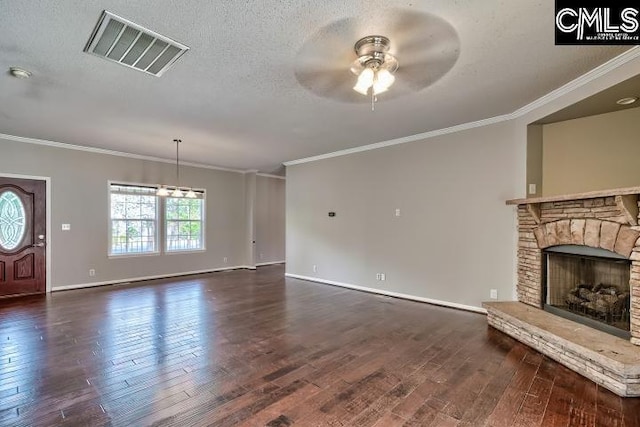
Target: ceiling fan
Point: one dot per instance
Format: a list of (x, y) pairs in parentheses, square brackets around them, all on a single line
[(357, 59)]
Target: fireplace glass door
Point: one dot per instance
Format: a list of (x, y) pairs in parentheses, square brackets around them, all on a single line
[(593, 290)]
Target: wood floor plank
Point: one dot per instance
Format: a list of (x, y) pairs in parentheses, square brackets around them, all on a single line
[(252, 349)]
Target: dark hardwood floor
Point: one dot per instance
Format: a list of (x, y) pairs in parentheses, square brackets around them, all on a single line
[(253, 349)]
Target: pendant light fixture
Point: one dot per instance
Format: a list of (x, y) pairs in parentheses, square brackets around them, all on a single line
[(176, 192), (374, 67)]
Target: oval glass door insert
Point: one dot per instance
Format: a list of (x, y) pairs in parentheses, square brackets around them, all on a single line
[(13, 222)]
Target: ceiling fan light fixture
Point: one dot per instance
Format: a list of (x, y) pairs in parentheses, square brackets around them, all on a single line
[(374, 67)]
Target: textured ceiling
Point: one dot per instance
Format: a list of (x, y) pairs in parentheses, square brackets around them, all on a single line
[(234, 98)]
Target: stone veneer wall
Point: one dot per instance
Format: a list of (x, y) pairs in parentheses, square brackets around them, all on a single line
[(597, 222)]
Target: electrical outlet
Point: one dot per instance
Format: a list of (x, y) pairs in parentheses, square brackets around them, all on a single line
[(225, 259), (92, 272), (66, 227), (532, 189), (383, 277), (493, 294), (315, 268), (397, 212)]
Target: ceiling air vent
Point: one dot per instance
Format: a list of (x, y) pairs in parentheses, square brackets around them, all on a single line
[(119, 40)]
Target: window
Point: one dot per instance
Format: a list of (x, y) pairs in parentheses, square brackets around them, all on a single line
[(136, 215), (134, 219), (183, 224)]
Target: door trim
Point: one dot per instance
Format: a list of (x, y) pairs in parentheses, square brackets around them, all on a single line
[(47, 181)]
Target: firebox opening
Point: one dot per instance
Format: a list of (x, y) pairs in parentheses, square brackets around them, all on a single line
[(588, 285)]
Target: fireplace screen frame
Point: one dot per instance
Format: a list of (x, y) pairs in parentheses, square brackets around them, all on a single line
[(586, 252)]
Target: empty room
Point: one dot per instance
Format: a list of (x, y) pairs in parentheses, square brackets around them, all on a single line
[(338, 213)]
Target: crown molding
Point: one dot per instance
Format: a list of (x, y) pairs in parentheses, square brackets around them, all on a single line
[(588, 77), (599, 71), (403, 140), (95, 150), (268, 175)]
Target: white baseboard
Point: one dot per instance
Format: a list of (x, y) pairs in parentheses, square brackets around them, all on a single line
[(391, 294), (261, 264), (139, 279)]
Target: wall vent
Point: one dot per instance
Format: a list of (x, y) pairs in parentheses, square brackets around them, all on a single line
[(119, 40)]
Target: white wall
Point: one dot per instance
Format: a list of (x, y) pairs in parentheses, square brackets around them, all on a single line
[(454, 240), (79, 182)]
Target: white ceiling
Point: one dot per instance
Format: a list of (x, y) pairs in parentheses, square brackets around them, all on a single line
[(234, 99)]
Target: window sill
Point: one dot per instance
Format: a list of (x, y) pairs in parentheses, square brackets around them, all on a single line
[(145, 254), (186, 251)]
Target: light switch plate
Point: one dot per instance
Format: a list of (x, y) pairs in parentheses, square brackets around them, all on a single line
[(66, 227)]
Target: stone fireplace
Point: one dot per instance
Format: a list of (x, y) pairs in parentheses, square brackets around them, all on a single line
[(579, 261)]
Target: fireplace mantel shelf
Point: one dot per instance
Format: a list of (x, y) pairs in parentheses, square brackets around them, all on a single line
[(577, 196), (626, 199)]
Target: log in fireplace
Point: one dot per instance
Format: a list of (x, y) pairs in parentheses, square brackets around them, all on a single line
[(588, 285)]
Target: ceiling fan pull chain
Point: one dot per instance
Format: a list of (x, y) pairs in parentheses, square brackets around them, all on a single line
[(373, 100)]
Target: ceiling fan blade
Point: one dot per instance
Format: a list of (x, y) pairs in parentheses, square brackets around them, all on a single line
[(330, 47), (427, 47), (333, 84)]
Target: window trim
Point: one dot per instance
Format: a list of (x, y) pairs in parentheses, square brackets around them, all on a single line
[(203, 227), (161, 223), (158, 218)]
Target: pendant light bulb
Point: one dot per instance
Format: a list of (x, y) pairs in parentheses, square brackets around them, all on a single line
[(177, 193), (191, 194), (162, 191)]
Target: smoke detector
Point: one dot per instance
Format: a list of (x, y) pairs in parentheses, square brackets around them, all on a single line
[(119, 40), (20, 73)]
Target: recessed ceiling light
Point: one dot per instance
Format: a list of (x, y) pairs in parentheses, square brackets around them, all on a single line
[(20, 73), (627, 101)]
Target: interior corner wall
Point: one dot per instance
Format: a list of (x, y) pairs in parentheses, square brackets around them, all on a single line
[(592, 153), (534, 160), (79, 187), (250, 223), (454, 240), (270, 219)]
